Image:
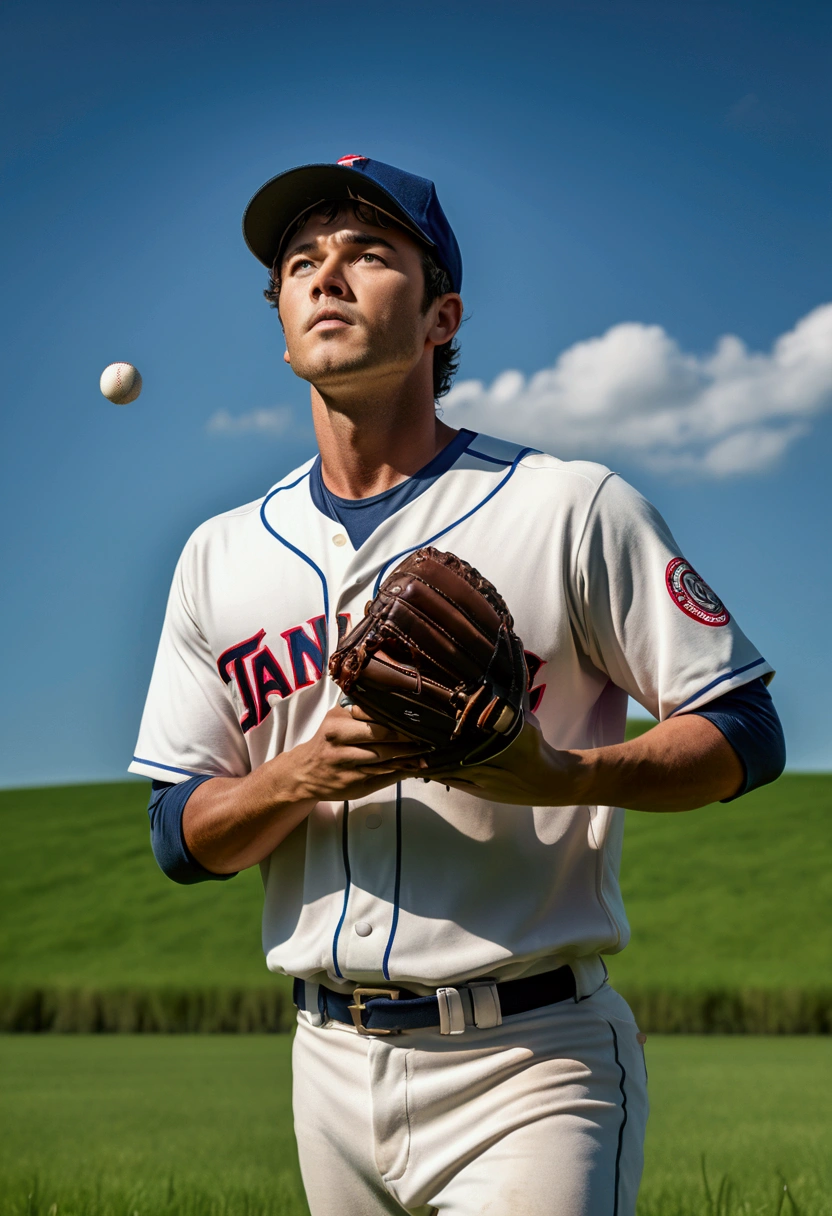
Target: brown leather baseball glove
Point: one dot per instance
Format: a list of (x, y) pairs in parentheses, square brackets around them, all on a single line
[(436, 657)]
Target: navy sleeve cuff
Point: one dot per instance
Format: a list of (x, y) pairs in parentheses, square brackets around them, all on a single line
[(167, 802), (747, 718)]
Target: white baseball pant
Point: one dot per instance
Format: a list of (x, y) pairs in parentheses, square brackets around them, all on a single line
[(541, 1116)]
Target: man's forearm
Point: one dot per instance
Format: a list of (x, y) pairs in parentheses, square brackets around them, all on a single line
[(231, 823), (682, 763)]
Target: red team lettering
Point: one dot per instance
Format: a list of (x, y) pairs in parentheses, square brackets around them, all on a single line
[(258, 675)]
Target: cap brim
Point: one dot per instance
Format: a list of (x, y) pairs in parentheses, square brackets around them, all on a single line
[(281, 200)]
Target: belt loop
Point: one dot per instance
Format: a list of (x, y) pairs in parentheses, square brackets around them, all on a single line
[(590, 974), (451, 1012), (315, 1001), (485, 1000)]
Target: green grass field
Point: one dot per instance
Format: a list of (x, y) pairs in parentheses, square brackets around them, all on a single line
[(737, 895), (197, 1126)]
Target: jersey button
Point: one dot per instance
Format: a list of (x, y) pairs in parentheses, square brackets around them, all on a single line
[(363, 928), (339, 539), (373, 820)]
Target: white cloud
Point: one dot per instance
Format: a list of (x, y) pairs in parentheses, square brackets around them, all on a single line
[(276, 421), (634, 393)]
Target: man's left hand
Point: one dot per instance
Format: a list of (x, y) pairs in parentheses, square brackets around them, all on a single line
[(528, 773)]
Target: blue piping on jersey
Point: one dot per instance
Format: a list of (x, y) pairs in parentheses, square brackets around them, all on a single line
[(397, 888), (482, 456), (169, 768), (345, 850), (411, 548), (299, 552), (719, 680)]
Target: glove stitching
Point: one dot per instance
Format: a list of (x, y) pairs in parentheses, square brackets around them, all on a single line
[(464, 571), (402, 667), (502, 613), (398, 632)]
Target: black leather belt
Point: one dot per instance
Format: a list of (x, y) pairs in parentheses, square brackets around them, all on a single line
[(390, 1010)]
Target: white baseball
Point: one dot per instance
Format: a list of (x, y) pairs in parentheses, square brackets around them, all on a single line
[(121, 383)]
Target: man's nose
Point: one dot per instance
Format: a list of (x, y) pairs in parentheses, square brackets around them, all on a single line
[(330, 287), (329, 282)]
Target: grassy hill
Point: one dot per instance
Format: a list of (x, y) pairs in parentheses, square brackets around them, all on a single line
[(85, 904), (738, 895)]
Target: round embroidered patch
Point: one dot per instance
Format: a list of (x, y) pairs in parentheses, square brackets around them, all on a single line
[(693, 595)]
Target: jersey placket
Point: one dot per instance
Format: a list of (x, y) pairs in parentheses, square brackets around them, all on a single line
[(372, 853), (370, 827)]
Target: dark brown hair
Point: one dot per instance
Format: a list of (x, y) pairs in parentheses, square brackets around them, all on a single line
[(437, 279)]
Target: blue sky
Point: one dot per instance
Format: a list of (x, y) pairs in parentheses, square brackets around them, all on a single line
[(661, 168)]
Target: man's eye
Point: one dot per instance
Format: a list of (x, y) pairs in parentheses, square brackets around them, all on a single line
[(370, 257)]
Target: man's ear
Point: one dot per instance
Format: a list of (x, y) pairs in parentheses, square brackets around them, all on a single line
[(447, 319)]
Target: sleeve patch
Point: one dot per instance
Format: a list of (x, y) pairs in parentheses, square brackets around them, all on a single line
[(692, 595)]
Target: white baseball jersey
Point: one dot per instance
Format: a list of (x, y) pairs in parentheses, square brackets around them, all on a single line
[(417, 884)]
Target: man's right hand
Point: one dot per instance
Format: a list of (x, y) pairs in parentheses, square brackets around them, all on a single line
[(231, 823), (349, 757)]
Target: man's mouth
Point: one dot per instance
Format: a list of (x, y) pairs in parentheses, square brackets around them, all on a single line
[(329, 318)]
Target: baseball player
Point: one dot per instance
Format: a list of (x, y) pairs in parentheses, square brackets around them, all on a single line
[(459, 1049)]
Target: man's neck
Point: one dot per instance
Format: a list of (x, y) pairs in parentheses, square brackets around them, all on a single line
[(371, 446)]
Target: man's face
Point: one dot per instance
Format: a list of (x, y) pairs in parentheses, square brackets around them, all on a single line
[(351, 302)]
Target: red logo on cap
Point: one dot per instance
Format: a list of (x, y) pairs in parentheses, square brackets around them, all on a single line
[(351, 160)]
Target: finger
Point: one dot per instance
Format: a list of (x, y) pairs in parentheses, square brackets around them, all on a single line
[(410, 768), (409, 753), (358, 733), (355, 719), (379, 753), (362, 715), (379, 729), (355, 711), (382, 770), (440, 774), (388, 778)]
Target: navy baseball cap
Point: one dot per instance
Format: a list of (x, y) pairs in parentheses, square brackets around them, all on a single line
[(406, 198)]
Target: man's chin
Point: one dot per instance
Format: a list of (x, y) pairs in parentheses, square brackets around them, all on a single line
[(334, 369)]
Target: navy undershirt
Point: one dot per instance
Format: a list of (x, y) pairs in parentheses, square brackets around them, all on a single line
[(166, 806), (359, 517)]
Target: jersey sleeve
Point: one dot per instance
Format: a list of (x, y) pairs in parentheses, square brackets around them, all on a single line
[(646, 617), (189, 727), (748, 720)]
